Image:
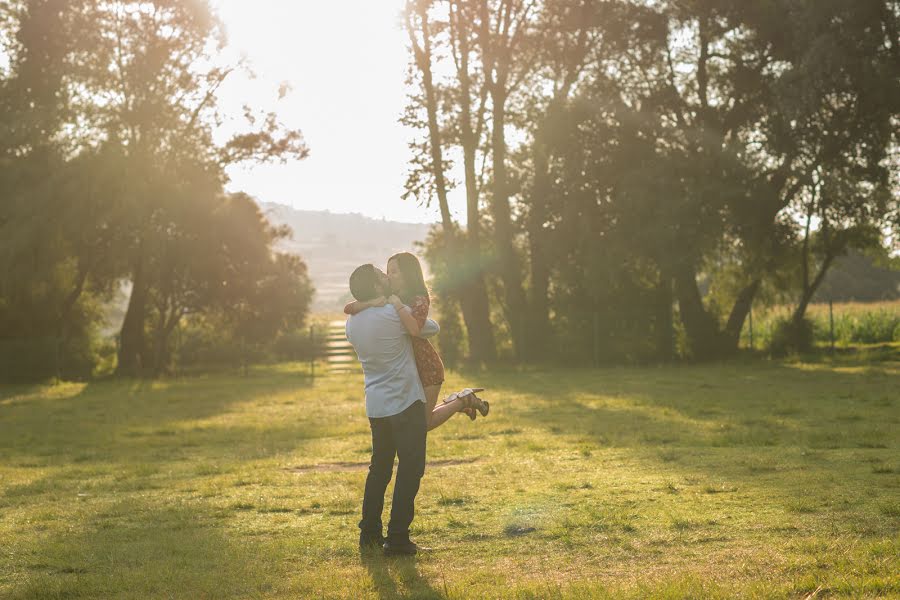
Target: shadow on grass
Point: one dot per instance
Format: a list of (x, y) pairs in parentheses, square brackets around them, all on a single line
[(12, 390), (140, 463), (398, 577), (729, 405), (725, 428), (139, 420), (137, 550), (858, 354)]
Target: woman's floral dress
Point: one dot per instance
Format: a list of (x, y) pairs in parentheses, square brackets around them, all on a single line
[(428, 361)]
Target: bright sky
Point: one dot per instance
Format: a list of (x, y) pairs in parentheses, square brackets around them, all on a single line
[(345, 63)]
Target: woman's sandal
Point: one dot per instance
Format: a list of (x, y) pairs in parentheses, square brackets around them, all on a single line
[(468, 409), (472, 401)]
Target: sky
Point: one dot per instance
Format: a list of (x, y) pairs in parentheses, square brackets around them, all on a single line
[(345, 63)]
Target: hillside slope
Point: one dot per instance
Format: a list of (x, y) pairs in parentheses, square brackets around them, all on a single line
[(334, 244)]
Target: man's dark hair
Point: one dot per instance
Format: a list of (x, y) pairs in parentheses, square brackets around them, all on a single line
[(363, 283)]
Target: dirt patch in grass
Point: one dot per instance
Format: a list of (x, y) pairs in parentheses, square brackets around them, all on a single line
[(362, 466)]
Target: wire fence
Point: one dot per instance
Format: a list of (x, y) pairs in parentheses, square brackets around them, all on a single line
[(50, 359), (324, 343), (833, 324)]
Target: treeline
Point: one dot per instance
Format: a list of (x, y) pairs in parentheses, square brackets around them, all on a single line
[(856, 277), (112, 174), (638, 174)]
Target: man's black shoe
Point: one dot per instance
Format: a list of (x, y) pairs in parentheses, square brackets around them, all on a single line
[(401, 549), (367, 542)]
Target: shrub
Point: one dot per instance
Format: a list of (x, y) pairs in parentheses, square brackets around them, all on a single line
[(874, 327), (78, 357), (789, 336), (106, 352), (202, 344), (297, 345), (43, 358), (854, 323), (861, 327), (27, 360)]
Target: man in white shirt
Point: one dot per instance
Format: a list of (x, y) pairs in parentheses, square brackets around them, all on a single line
[(395, 405)]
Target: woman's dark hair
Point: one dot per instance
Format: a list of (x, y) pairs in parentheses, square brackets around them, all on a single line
[(363, 282), (412, 276)]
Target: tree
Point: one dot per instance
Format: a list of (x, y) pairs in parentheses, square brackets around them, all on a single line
[(46, 267), (842, 111), (567, 38), (233, 275), (502, 28), (735, 137), (117, 101), (145, 60), (671, 151), (462, 254)]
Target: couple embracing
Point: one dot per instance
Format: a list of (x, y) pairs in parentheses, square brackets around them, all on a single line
[(388, 327)]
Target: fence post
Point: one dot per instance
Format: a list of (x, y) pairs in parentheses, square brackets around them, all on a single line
[(831, 322), (56, 368), (523, 350), (596, 339), (751, 327), (176, 347), (312, 351)]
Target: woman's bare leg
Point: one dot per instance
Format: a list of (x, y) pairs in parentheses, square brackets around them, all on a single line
[(431, 395), (443, 412)]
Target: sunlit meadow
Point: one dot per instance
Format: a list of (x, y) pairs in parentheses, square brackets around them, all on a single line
[(758, 479)]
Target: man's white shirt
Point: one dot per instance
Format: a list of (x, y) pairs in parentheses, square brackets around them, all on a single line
[(385, 351)]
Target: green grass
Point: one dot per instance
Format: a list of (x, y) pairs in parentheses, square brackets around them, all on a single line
[(756, 479), (855, 323)]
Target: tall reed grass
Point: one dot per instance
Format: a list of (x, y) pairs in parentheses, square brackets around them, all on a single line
[(854, 323)]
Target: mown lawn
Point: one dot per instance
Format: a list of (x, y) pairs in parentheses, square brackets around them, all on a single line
[(756, 479)]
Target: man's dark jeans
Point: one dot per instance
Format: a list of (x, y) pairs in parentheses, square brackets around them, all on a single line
[(402, 435)]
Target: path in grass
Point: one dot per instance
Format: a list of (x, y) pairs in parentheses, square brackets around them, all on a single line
[(764, 479)]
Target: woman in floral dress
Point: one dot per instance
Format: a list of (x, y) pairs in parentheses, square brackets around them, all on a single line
[(412, 303)]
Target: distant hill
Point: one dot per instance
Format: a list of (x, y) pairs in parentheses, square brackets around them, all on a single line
[(332, 245)]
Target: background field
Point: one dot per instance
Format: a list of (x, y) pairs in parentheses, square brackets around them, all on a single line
[(757, 479), (854, 323)]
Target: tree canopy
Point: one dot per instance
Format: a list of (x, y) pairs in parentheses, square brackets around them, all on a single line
[(112, 173), (639, 173)]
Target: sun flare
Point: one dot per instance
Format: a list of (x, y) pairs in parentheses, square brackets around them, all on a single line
[(345, 66)]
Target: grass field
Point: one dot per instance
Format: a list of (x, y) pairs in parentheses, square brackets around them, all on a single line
[(854, 323), (757, 479)]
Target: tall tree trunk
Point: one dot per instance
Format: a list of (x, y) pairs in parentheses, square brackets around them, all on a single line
[(475, 302), (701, 328), (476, 315), (69, 302), (507, 261), (497, 50), (465, 257), (810, 290), (160, 339), (538, 331), (706, 339), (423, 59), (166, 324), (739, 311), (132, 342), (665, 330)]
